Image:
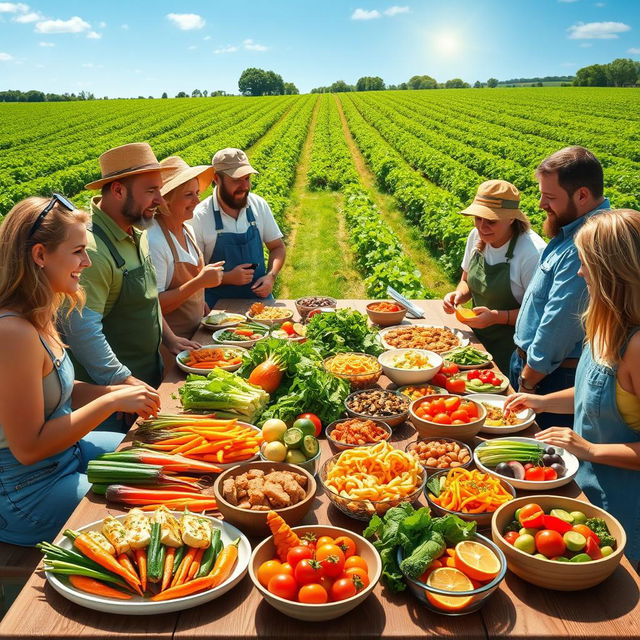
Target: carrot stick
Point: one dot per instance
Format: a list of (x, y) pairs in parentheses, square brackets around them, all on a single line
[(97, 588), (125, 562), (141, 559), (179, 591), (224, 563), (195, 565), (168, 567), (184, 567)]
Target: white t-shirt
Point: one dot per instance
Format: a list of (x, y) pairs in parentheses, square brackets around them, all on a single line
[(161, 255), (523, 264), (204, 224)]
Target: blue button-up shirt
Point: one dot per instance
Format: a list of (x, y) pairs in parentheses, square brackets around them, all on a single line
[(549, 328)]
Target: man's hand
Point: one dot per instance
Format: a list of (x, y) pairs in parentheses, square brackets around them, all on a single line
[(242, 274), (263, 286), (179, 344)]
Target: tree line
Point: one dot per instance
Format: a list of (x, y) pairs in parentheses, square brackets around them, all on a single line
[(621, 72)]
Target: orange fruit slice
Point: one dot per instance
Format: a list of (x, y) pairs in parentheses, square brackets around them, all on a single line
[(453, 580), (462, 313), (477, 561)]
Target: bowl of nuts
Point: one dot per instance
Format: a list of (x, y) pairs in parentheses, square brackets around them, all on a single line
[(436, 454), (378, 404)]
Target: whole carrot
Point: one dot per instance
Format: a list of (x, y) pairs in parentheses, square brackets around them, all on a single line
[(141, 560), (168, 567), (97, 588), (224, 563)]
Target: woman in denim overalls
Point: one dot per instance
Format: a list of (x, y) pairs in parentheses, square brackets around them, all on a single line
[(606, 398), (44, 443)]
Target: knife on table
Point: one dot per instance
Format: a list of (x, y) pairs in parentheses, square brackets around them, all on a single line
[(414, 311)]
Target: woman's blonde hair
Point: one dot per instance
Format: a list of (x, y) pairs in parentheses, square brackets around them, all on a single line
[(609, 249), (23, 285)]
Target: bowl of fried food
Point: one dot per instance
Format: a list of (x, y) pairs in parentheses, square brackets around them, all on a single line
[(269, 315)]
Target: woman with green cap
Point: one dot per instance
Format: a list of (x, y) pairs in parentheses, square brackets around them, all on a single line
[(500, 258)]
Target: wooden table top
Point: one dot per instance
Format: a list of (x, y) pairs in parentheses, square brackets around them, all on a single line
[(516, 610)]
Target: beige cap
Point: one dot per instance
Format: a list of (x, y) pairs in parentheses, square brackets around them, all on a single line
[(178, 172), (232, 162), (496, 200), (127, 160)]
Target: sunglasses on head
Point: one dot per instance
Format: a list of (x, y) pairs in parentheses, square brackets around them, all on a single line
[(56, 198)]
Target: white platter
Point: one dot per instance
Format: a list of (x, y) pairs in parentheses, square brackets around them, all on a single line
[(139, 606), (238, 318), (463, 341), (527, 415), (204, 372)]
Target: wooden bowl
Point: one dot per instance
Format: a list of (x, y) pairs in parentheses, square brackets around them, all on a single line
[(550, 574), (254, 523), (428, 429), (317, 612), (386, 318)]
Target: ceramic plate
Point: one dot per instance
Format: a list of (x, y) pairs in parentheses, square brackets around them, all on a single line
[(232, 320), (468, 367), (463, 342), (203, 372), (139, 606), (526, 415)]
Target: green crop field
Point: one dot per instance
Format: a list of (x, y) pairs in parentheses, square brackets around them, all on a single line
[(367, 186)]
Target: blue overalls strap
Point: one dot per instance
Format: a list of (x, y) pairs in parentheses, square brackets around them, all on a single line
[(56, 361), (251, 219)]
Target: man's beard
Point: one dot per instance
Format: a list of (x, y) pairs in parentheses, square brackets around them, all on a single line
[(134, 214), (552, 225), (233, 202)]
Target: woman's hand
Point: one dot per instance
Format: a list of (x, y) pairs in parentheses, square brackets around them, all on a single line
[(211, 274), (179, 344), (140, 400), (451, 300), (518, 401), (484, 318), (569, 440)]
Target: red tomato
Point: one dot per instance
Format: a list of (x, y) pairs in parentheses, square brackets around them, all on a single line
[(470, 408), (460, 422), (343, 588), (473, 375), (347, 545), (308, 540), (361, 579), (308, 571), (297, 553), (535, 474), (322, 540), (461, 415), (449, 369), (442, 418), (456, 386), (451, 404), (331, 558), (511, 536), (532, 516), (356, 561), (549, 473), (593, 549), (529, 465), (438, 406), (327, 583), (284, 586), (267, 570), (550, 543), (439, 380), (311, 416), (288, 328), (313, 594)]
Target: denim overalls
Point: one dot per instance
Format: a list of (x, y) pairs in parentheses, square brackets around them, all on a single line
[(37, 499), (598, 420)]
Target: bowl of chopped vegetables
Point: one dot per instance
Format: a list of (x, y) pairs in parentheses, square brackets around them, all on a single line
[(243, 335), (410, 366), (415, 391), (203, 360), (356, 432), (361, 370), (386, 313), (468, 357)]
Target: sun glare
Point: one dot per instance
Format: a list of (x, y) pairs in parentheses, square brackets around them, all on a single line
[(446, 43)]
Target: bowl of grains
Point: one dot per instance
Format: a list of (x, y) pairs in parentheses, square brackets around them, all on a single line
[(378, 405), (356, 432)]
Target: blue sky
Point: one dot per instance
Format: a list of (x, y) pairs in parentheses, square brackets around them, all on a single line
[(131, 48)]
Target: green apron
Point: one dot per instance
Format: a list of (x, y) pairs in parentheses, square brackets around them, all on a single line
[(133, 328), (490, 286)]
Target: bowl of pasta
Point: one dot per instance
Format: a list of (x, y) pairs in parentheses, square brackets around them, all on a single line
[(365, 481), (361, 370)]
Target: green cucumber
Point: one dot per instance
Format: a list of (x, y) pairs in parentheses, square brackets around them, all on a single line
[(310, 447)]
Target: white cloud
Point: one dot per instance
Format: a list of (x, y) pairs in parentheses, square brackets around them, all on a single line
[(395, 10), (597, 30), (124, 27), (46, 44), (228, 49), (72, 25), (13, 7), (102, 25), (5, 57), (600, 5), (32, 16), (187, 21), (634, 51), (250, 45), (363, 14), (94, 35)]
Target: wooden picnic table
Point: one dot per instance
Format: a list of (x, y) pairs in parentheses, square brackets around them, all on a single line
[(516, 610)]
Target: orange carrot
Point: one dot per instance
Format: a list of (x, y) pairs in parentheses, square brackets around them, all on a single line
[(168, 567), (224, 563), (141, 559), (97, 588), (283, 536), (195, 565), (182, 590), (183, 569), (125, 562)]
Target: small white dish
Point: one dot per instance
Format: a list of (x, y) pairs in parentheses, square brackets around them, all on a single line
[(526, 415), (203, 372)]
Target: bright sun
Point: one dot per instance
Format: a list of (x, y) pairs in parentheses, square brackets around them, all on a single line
[(447, 43)]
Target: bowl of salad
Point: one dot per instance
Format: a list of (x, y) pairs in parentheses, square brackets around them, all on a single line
[(243, 335), (410, 366), (468, 357)]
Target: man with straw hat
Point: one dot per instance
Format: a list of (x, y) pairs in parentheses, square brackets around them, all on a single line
[(499, 261), (232, 225), (116, 339), (181, 273)]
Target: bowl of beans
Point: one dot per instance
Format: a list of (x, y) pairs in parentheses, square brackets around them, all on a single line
[(308, 304), (436, 454), (386, 313), (356, 432), (378, 405)]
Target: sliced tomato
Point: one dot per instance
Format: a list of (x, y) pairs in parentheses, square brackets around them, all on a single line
[(556, 524), (531, 516), (593, 549)]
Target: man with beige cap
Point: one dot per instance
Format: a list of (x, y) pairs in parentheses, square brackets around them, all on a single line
[(499, 261), (116, 338), (232, 225)]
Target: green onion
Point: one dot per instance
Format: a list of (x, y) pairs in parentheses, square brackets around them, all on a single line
[(494, 452)]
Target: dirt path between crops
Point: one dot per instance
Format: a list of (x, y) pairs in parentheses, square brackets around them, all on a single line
[(432, 275)]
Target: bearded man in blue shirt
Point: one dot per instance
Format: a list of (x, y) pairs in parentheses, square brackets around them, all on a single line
[(549, 333)]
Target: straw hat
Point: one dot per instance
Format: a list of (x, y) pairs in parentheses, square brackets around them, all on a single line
[(127, 160), (177, 172), (232, 162), (496, 200)]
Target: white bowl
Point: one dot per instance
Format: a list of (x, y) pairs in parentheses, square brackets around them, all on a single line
[(317, 612), (139, 606), (409, 376), (271, 322), (526, 415), (204, 372), (247, 344), (570, 462), (462, 340), (239, 318)]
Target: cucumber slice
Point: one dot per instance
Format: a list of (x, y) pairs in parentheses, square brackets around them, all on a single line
[(310, 447), (293, 438)]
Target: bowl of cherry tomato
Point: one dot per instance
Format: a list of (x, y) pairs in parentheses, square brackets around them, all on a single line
[(447, 416), (330, 573), (386, 313)]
